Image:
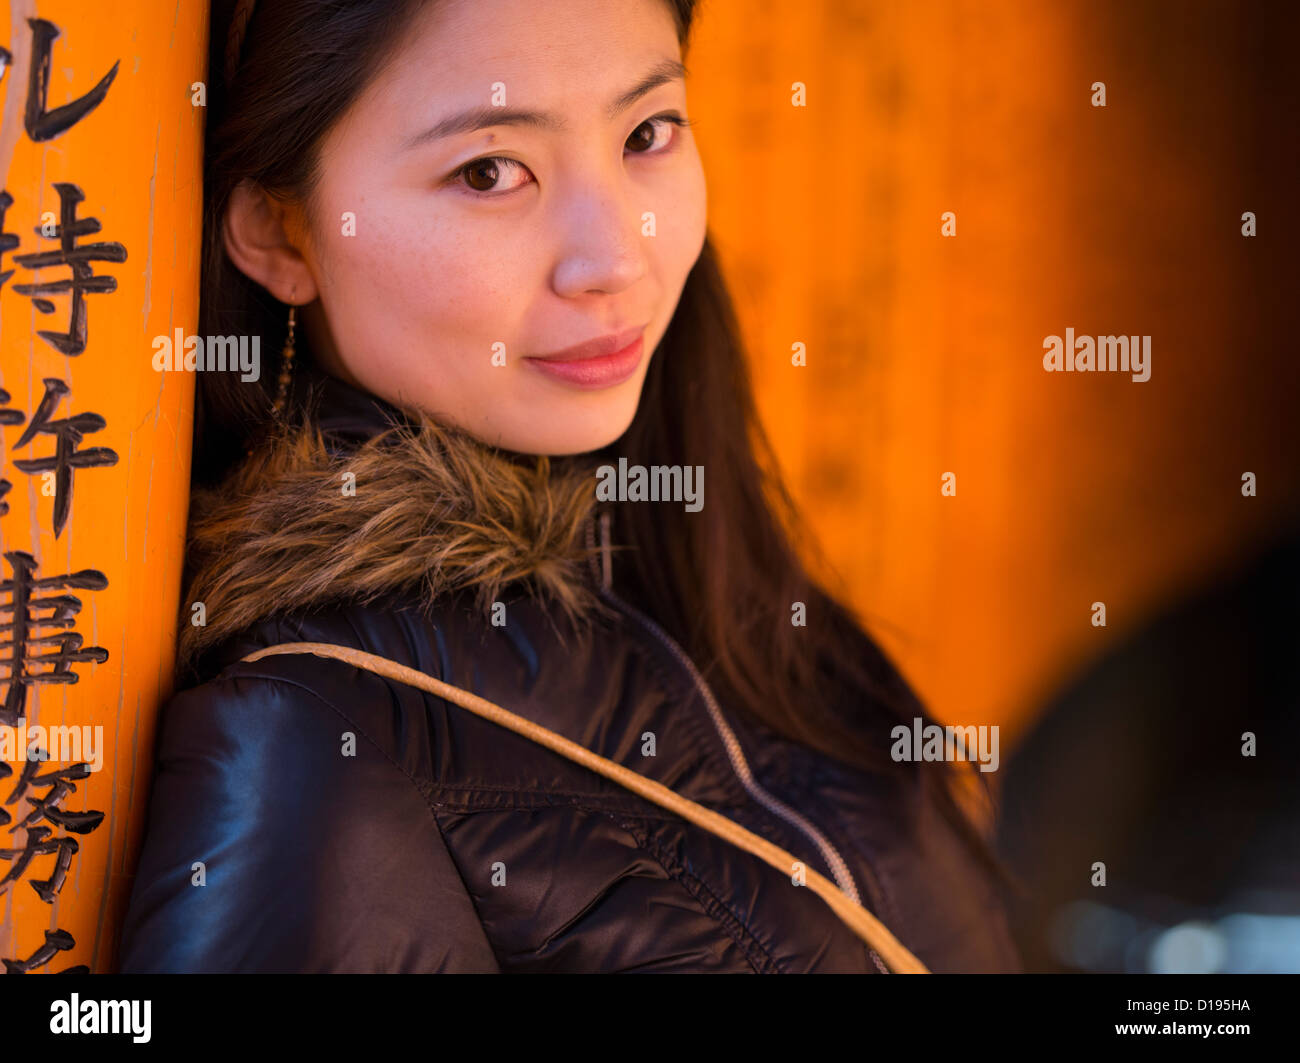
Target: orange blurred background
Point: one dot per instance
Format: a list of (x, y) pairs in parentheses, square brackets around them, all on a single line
[(924, 352)]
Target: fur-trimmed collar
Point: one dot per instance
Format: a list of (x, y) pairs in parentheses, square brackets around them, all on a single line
[(365, 500)]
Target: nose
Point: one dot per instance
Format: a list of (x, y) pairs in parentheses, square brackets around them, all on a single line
[(602, 249)]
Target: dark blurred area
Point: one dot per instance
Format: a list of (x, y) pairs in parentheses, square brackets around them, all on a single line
[(1138, 764)]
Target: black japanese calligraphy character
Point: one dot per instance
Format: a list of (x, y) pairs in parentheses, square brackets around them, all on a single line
[(68, 432), (40, 123), (77, 258), (7, 417), (56, 941), (25, 626), (39, 843), (8, 241), (58, 783)]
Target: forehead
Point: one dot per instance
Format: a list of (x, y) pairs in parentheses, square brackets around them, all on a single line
[(560, 53)]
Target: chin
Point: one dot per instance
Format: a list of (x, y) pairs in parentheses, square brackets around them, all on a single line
[(568, 443), (568, 432)]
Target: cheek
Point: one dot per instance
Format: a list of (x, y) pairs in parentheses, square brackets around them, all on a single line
[(688, 220), (417, 287)]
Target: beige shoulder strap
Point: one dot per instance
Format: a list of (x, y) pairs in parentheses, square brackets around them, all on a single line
[(866, 925)]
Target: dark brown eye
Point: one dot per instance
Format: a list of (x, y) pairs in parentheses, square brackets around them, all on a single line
[(486, 170), (643, 137), (482, 177)]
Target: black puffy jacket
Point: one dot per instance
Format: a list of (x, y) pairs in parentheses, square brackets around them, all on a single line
[(310, 816)]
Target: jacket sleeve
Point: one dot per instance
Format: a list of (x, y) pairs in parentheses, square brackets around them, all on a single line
[(268, 849)]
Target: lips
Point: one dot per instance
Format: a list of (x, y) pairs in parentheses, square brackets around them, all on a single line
[(600, 363), (611, 344)]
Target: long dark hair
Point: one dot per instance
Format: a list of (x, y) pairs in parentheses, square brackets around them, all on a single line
[(724, 581)]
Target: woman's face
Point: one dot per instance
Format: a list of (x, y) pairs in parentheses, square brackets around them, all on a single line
[(580, 223)]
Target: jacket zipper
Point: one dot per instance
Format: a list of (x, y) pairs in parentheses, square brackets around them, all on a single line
[(843, 876)]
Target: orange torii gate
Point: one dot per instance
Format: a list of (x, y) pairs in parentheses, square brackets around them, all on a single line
[(100, 225)]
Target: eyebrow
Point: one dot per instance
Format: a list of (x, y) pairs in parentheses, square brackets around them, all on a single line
[(477, 118)]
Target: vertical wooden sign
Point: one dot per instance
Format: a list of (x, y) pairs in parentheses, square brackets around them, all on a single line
[(100, 224)]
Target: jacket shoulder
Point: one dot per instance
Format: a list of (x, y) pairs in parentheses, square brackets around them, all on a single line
[(286, 831)]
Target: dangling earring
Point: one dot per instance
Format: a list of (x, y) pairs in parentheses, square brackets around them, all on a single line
[(286, 368)]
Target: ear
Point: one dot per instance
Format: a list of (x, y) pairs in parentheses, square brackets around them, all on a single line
[(256, 230)]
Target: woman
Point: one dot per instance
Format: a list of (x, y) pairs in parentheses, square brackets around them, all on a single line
[(435, 200)]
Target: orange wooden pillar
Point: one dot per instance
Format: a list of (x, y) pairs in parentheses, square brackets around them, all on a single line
[(836, 137), (100, 152)]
